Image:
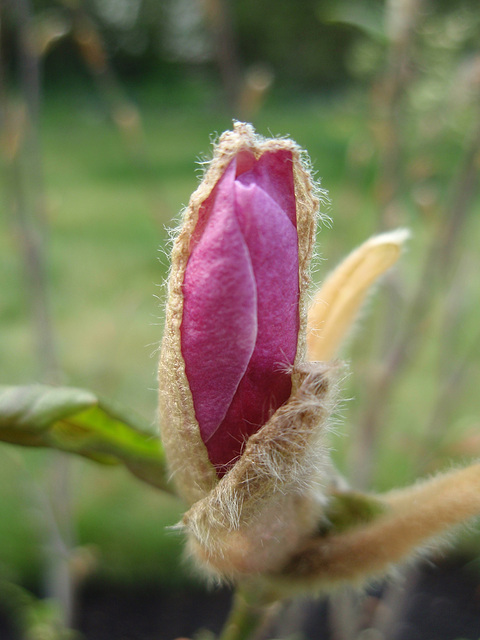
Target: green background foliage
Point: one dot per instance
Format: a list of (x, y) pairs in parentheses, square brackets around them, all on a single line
[(111, 201)]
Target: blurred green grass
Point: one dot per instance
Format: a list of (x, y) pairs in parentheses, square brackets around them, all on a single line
[(108, 213)]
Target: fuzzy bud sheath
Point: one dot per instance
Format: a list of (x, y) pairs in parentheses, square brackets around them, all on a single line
[(243, 412)]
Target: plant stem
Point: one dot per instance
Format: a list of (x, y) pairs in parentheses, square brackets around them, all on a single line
[(248, 615)]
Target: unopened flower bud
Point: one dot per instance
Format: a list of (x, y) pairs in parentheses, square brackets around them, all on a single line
[(235, 321)]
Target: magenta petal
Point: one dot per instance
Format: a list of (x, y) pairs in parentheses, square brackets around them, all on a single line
[(273, 246), (273, 173), (219, 326), (241, 290)]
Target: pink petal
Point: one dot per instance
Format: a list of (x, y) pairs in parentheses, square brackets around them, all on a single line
[(272, 242), (273, 172), (240, 322), (219, 326)]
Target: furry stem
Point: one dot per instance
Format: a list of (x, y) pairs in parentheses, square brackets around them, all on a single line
[(414, 517)]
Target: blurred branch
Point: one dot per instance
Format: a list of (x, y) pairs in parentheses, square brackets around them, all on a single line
[(464, 191), (436, 274), (408, 342), (219, 20), (123, 113), (389, 93), (23, 157), (389, 104), (89, 40), (24, 163)]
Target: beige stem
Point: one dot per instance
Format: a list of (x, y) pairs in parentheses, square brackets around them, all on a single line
[(415, 516)]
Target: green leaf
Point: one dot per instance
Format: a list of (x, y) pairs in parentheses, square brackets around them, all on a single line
[(76, 421)]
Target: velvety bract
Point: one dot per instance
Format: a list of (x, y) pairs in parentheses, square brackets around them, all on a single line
[(241, 288)]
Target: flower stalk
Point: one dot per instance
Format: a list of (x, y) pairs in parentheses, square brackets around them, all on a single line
[(250, 613)]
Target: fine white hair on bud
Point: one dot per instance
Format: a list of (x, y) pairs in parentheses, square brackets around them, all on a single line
[(236, 305), (274, 492)]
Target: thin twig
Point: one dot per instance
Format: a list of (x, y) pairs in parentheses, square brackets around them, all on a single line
[(436, 273), (28, 200)]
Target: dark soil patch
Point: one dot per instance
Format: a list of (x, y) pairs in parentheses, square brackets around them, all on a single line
[(149, 612), (442, 603)]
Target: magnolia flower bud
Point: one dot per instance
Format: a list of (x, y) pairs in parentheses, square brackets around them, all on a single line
[(236, 318), (243, 417)]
